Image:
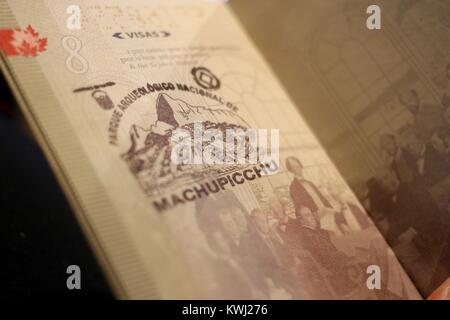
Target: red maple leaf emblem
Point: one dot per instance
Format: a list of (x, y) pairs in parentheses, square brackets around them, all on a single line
[(27, 42)]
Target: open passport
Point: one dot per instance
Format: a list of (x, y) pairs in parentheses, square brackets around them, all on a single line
[(355, 205)]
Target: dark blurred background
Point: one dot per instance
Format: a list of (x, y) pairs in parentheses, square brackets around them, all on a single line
[(39, 234)]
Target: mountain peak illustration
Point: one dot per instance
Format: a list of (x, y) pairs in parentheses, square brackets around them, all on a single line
[(164, 110), (177, 112), (150, 149)]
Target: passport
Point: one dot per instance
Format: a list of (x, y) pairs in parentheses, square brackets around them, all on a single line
[(110, 87)]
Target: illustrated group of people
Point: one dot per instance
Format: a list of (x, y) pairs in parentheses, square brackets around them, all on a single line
[(284, 249), (409, 196)]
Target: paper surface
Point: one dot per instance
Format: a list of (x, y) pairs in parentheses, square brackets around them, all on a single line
[(378, 101), (104, 101)]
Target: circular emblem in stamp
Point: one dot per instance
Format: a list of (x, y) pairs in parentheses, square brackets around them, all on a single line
[(205, 78)]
